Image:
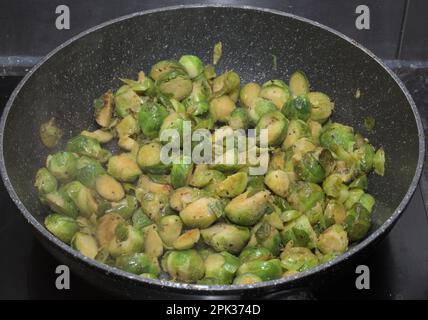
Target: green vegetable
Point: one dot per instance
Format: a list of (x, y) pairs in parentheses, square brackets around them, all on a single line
[(265, 270), (62, 227), (226, 237)]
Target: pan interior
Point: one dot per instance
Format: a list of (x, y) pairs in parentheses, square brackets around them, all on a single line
[(66, 84)]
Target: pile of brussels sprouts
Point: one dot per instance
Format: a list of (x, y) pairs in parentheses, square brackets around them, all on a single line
[(211, 224)]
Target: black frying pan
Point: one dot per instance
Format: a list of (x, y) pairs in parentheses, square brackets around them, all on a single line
[(65, 82)]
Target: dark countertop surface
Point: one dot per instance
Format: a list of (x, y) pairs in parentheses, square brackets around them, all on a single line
[(398, 266)]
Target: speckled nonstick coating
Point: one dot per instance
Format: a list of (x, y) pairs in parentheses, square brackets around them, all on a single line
[(66, 81)]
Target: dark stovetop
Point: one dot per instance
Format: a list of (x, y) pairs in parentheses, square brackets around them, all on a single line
[(398, 266)]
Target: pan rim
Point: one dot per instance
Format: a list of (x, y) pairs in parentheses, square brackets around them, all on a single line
[(214, 289)]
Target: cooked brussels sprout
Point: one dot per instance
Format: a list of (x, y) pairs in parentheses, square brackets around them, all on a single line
[(260, 107), (126, 240), (247, 209), (86, 146), (300, 232), (138, 263), (309, 169), (321, 106), (221, 108), (45, 181), (153, 245), (277, 181), (265, 270), (175, 83), (266, 236), (149, 158), (83, 198), (163, 67), (296, 129), (216, 178), (247, 278), (186, 265), (62, 165), (238, 119), (226, 237), (299, 83), (298, 259), (379, 162), (123, 167), (275, 91), (249, 93), (181, 172), (357, 222), (170, 229), (126, 207), (192, 64), (62, 227), (276, 124), (104, 109), (187, 240), (109, 188), (100, 135), (60, 202), (221, 267), (226, 84), (298, 107), (255, 253), (126, 101), (50, 133), (151, 117), (337, 134), (201, 176), (334, 213), (85, 244), (201, 213), (308, 198), (140, 220), (233, 185), (333, 240), (88, 170)]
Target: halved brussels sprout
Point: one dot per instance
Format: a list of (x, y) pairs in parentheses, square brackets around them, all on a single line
[(187, 240), (105, 230), (149, 158), (62, 227), (109, 188), (151, 117), (201, 176), (296, 129), (298, 259), (309, 169), (138, 263), (192, 64), (182, 197), (176, 84), (85, 244), (238, 119), (298, 107), (123, 167), (299, 83), (202, 213), (216, 178), (247, 278), (174, 121), (82, 197), (140, 220), (233, 185), (221, 267), (181, 172), (321, 106), (276, 124), (265, 270), (247, 209), (86, 146), (249, 93), (308, 198), (333, 240), (334, 187), (170, 229), (300, 232), (266, 236), (126, 101), (45, 181), (357, 222), (126, 207), (260, 107), (226, 84), (221, 108), (334, 213), (186, 265), (62, 165), (251, 253), (104, 109), (379, 162), (337, 134), (277, 181), (60, 202), (163, 67), (126, 240), (153, 245), (226, 237), (276, 91)]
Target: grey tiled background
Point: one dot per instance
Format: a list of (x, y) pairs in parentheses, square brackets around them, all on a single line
[(27, 27)]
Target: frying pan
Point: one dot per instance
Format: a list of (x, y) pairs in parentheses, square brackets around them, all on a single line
[(64, 83)]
